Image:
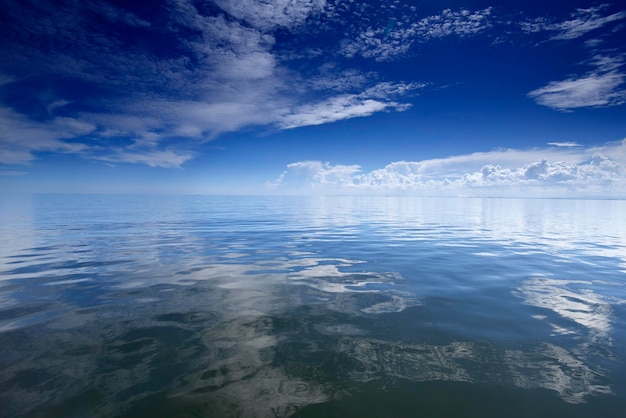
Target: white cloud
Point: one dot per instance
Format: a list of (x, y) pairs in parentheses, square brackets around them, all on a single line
[(200, 121), (153, 158), (592, 43), (564, 144), (21, 137), (593, 90), (374, 99), (271, 13), (225, 75), (582, 21), (342, 81), (332, 110), (397, 39), (550, 172), (386, 89), (57, 104), (598, 88), (598, 171), (314, 174), (460, 164)]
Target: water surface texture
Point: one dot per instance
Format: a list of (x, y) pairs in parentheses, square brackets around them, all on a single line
[(337, 306)]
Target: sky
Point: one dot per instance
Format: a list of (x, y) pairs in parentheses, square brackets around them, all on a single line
[(425, 98)]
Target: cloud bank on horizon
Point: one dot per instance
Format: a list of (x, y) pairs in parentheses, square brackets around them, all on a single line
[(153, 83), (560, 170)]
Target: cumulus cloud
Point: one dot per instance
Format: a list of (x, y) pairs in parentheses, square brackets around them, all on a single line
[(314, 174), (581, 22), (603, 86), (397, 38), (600, 170), (582, 172)]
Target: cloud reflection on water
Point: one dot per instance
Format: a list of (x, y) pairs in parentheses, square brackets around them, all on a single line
[(583, 307), (262, 321)]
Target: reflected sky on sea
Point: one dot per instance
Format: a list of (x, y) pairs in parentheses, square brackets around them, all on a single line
[(261, 306)]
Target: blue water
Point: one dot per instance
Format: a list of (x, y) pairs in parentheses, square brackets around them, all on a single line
[(195, 306)]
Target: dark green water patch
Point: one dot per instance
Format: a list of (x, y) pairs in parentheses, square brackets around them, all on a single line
[(460, 399)]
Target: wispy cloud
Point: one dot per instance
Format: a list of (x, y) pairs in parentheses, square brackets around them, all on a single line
[(592, 90), (6, 79), (347, 106), (564, 144), (581, 22), (593, 43), (12, 173), (398, 37), (271, 13), (342, 81), (552, 172), (195, 73), (313, 174), (603, 86), (334, 109), (20, 137), (153, 158)]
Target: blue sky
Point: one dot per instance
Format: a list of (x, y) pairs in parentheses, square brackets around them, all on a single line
[(451, 98)]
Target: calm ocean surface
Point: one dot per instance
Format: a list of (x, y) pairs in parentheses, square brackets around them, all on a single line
[(194, 306)]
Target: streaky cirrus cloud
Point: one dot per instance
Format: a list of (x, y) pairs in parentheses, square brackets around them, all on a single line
[(223, 70), (153, 158), (346, 106), (600, 87), (21, 138), (564, 144), (580, 23), (548, 172)]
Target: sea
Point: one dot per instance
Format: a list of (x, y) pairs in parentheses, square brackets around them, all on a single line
[(320, 306)]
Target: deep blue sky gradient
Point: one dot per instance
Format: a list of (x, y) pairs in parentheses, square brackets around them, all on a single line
[(187, 96)]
